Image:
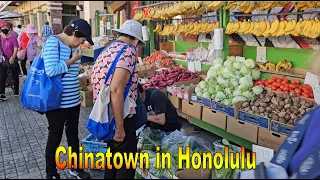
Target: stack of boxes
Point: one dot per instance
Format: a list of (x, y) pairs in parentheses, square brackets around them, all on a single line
[(86, 91)]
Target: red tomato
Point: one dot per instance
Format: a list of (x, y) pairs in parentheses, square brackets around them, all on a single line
[(283, 82), (286, 89), (279, 80), (298, 90), (282, 86), (278, 84), (279, 90), (273, 77), (298, 94), (273, 87), (311, 95), (293, 86), (272, 81), (282, 77), (267, 83), (305, 95), (269, 86), (287, 92)]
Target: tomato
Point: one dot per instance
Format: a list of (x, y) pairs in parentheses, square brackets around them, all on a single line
[(267, 83), (286, 89), (295, 81), (264, 79), (279, 80), (298, 90), (304, 89), (298, 94), (311, 95), (282, 77), (279, 90), (293, 86), (273, 77), (282, 86), (287, 92), (273, 87), (278, 84), (271, 81), (285, 80), (305, 95)]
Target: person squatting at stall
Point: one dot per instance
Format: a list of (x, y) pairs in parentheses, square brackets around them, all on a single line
[(162, 114), (9, 49)]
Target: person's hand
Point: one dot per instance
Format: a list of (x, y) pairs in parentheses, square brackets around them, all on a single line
[(77, 54), (11, 60), (119, 134), (19, 49)]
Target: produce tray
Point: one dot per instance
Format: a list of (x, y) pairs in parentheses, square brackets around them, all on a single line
[(230, 111), (281, 128), (290, 73), (94, 147), (254, 119)]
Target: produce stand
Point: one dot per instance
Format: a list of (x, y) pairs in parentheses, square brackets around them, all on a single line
[(277, 49)]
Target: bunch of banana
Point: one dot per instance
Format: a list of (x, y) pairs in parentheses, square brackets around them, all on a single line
[(283, 65), (138, 16), (304, 5), (104, 19), (267, 66), (194, 28), (230, 6), (246, 6)]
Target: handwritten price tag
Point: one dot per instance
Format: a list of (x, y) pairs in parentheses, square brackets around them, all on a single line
[(261, 54), (191, 66), (240, 59), (263, 154)]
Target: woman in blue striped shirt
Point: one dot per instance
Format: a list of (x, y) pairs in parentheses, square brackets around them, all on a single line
[(67, 63)]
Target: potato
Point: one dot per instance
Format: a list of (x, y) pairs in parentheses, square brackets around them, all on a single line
[(275, 117), (287, 106), (287, 117), (268, 109), (282, 114), (291, 123), (282, 120), (288, 101), (261, 109), (267, 99), (281, 103), (262, 104), (245, 104)]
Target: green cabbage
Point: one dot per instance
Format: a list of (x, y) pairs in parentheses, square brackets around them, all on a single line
[(248, 95), (246, 81), (206, 95), (234, 82), (238, 99), (203, 84), (245, 71), (237, 92), (219, 60), (257, 90), (255, 74), (237, 65), (249, 63), (226, 102), (220, 96), (198, 90), (232, 58), (228, 63)]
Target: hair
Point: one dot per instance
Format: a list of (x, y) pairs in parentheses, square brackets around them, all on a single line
[(19, 26), (69, 30), (10, 25), (140, 88), (46, 23), (126, 35)]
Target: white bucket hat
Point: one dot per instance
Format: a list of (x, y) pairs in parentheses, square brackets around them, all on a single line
[(132, 28)]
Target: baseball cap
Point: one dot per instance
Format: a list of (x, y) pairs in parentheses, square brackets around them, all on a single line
[(18, 23), (3, 23), (84, 27)]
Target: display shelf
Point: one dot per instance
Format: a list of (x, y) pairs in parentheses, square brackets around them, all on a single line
[(204, 67), (222, 133)]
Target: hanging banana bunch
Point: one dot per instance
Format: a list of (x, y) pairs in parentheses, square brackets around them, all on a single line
[(309, 28), (194, 28)]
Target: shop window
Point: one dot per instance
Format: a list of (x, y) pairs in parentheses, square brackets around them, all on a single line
[(69, 10)]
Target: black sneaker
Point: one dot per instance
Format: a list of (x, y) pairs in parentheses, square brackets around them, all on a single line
[(16, 94), (53, 177), (3, 97), (79, 173)]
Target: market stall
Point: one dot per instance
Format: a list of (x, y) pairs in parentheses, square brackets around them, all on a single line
[(266, 41)]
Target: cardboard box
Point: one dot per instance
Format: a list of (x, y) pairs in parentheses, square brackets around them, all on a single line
[(183, 115), (176, 101), (279, 127), (254, 119), (86, 98), (191, 109), (270, 139), (194, 174), (215, 118), (206, 102), (242, 129), (229, 110), (84, 81), (236, 50), (167, 46)]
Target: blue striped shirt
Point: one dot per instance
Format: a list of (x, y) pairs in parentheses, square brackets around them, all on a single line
[(47, 31), (55, 65)]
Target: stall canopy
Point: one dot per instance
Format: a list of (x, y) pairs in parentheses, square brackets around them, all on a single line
[(9, 15)]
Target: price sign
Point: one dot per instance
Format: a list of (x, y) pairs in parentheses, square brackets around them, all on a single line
[(140, 59), (262, 154), (261, 54), (169, 89), (197, 66), (240, 59), (191, 66)]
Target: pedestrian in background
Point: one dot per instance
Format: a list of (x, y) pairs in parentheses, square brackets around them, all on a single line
[(46, 31), (11, 31), (18, 29), (65, 60), (29, 39), (9, 49)]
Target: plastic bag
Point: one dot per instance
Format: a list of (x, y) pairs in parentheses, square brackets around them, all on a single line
[(149, 139)]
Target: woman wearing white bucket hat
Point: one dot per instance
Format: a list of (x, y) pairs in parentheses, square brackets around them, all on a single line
[(129, 36)]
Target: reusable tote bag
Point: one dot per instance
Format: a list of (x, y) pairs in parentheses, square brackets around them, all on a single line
[(101, 122), (40, 92)]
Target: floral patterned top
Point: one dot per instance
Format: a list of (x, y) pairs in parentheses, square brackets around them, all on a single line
[(126, 61)]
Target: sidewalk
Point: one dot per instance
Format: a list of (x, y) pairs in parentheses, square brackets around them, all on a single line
[(23, 137)]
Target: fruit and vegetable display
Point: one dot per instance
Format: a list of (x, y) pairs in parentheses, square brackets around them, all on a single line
[(304, 27), (167, 77), (145, 66), (281, 66), (282, 84), (159, 59), (280, 107), (199, 54), (178, 8), (230, 81), (194, 28)]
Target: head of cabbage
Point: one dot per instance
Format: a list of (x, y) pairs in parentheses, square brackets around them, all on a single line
[(249, 63)]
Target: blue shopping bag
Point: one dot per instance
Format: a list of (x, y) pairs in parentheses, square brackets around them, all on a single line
[(40, 92)]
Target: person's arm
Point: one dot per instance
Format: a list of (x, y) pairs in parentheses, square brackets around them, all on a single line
[(39, 40), (19, 39), (117, 87), (52, 64), (159, 119), (159, 106), (15, 50)]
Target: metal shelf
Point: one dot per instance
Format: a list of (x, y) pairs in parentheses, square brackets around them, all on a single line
[(275, 14)]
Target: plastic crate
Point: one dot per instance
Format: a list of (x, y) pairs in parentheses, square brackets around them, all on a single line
[(94, 147)]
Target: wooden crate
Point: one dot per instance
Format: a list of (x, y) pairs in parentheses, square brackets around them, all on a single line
[(167, 46)]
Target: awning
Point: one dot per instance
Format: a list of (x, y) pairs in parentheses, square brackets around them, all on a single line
[(9, 15)]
